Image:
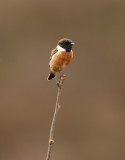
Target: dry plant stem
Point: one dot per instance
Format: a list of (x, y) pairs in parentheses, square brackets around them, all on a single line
[(57, 107)]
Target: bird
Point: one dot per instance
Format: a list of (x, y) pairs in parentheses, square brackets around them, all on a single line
[(61, 57)]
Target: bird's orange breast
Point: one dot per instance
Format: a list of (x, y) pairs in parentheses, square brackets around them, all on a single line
[(60, 60)]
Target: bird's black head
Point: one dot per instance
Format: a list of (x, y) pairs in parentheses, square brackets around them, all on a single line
[(66, 44)]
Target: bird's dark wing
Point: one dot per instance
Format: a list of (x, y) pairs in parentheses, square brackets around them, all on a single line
[(53, 52)]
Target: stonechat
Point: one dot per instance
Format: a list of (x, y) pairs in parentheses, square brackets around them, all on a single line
[(60, 57)]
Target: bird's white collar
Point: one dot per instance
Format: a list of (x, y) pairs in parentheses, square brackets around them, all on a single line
[(60, 48)]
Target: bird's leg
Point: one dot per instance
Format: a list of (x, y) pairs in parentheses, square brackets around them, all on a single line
[(61, 80), (57, 82), (62, 75)]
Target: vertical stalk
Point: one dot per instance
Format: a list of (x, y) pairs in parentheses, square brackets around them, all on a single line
[(57, 107)]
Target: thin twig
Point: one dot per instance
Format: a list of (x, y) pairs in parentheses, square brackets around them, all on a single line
[(57, 107)]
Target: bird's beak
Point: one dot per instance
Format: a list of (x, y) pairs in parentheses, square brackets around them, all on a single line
[(72, 43)]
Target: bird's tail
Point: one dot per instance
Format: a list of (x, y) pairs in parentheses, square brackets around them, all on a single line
[(51, 76)]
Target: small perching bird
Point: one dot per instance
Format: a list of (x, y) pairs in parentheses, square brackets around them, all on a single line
[(61, 56)]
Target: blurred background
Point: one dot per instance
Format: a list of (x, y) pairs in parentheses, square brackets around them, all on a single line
[(91, 122)]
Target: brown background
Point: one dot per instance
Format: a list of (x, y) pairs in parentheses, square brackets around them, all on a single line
[(91, 122)]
